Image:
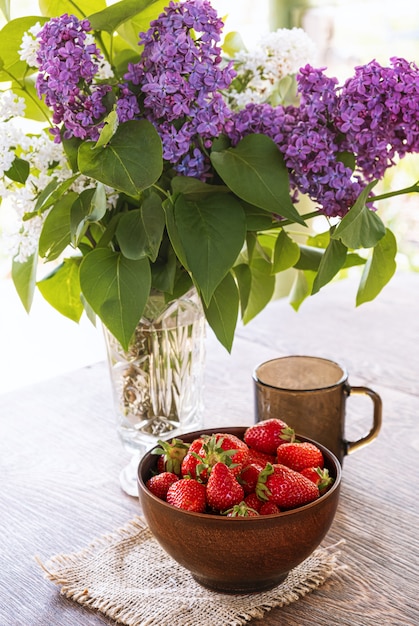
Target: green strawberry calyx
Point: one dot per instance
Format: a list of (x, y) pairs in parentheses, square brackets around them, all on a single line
[(173, 452), (261, 488), (213, 453), (288, 435), (241, 510), (325, 478)]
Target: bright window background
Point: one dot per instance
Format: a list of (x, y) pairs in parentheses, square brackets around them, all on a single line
[(347, 32)]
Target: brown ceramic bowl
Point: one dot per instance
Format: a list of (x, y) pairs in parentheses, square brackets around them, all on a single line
[(239, 554)]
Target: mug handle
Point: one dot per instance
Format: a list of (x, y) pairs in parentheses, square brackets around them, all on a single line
[(351, 446)]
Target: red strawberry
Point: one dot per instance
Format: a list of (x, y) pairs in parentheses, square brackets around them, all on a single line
[(299, 455), (229, 442), (269, 508), (242, 510), (267, 435), (187, 494), (219, 447), (319, 477), (253, 501), (285, 487), (254, 456), (248, 476), (190, 461), (223, 490), (160, 483), (171, 455)]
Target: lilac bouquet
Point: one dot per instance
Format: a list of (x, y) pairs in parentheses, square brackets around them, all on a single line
[(163, 163)]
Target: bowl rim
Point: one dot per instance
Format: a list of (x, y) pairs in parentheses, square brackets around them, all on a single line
[(256, 519)]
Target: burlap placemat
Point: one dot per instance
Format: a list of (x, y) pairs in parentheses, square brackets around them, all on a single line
[(128, 577)]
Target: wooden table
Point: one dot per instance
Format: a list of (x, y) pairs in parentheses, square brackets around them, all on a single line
[(60, 459)]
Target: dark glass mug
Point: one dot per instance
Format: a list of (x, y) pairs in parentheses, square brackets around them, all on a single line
[(309, 394)]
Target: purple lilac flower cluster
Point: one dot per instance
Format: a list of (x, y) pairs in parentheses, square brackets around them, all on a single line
[(67, 66), (378, 112), (374, 117), (181, 76), (177, 85), (308, 144)]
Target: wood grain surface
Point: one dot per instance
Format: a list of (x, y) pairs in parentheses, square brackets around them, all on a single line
[(60, 459)]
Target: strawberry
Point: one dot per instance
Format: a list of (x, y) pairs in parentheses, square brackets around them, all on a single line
[(285, 487), (248, 476), (171, 455), (160, 483), (190, 461), (254, 456), (253, 501), (269, 508), (299, 455), (242, 510), (187, 494), (267, 435), (228, 442), (223, 489), (319, 477), (219, 447)]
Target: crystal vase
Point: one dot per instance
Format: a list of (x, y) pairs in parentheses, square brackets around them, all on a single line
[(157, 383)]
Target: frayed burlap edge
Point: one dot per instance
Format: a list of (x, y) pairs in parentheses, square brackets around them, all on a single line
[(127, 576)]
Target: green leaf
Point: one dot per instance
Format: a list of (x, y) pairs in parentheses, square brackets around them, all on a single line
[(194, 188), (244, 281), (141, 22), (163, 272), (212, 232), (309, 258), (286, 252), (24, 279), (347, 158), (255, 171), (361, 227), (321, 240), (11, 38), (301, 288), (110, 18), (99, 204), (251, 244), (256, 219), (52, 8), (52, 192), (379, 268), (117, 289), (353, 259), (111, 124), (130, 162), (140, 231), (232, 44), (71, 148), (56, 231), (35, 109), (89, 206), (222, 311), (5, 8), (19, 171), (331, 262), (183, 283), (173, 232), (262, 287), (61, 289)]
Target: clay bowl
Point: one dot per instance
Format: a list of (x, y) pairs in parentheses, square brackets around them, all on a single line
[(233, 554)]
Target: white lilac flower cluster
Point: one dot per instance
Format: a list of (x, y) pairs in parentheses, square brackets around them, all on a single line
[(42, 154), (46, 159), (259, 71), (29, 46), (47, 162)]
